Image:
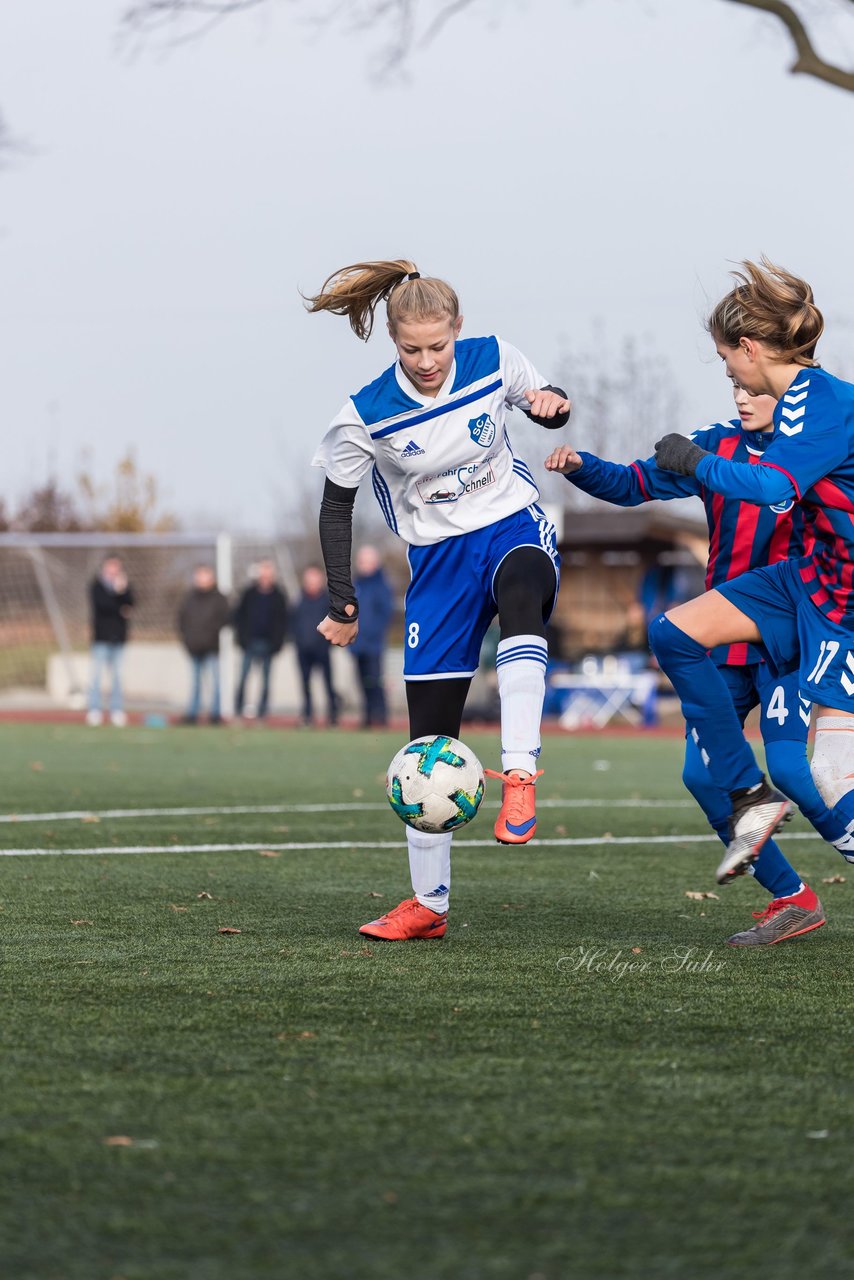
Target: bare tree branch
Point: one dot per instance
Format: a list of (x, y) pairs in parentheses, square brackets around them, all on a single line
[(808, 61), (443, 17), (399, 19)]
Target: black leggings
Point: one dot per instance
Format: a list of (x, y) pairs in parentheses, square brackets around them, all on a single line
[(525, 587)]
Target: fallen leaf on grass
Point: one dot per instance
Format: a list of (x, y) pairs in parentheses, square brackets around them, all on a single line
[(118, 1140), (90, 818), (560, 829), (226, 929), (81, 922), (699, 897), (636, 951), (834, 880), (512, 906), (374, 895), (390, 1197), (173, 906), (270, 853), (205, 894), (37, 766), (297, 1035)]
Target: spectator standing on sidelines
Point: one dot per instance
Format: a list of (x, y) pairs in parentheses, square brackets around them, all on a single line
[(376, 604), (312, 648), (261, 624), (111, 601), (203, 613)]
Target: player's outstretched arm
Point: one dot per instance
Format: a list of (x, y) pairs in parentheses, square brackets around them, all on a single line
[(549, 406), (564, 460)]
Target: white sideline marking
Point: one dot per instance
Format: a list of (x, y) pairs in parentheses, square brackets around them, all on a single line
[(84, 815), (296, 846)]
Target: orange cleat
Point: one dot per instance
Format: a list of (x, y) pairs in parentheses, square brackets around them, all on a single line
[(517, 818), (407, 920)]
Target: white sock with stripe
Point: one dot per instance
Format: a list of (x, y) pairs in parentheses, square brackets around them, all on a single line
[(430, 867), (521, 666)]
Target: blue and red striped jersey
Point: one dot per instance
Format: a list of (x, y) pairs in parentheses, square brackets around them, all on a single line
[(742, 536), (810, 457)]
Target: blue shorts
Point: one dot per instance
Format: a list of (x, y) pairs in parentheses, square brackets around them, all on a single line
[(784, 713), (450, 601), (794, 630)]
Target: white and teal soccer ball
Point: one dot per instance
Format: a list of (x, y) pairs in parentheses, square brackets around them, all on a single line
[(435, 784)]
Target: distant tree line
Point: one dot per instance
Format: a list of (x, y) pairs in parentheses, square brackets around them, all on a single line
[(128, 503)]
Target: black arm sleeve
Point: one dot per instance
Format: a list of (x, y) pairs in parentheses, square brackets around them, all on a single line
[(336, 542), (559, 420)]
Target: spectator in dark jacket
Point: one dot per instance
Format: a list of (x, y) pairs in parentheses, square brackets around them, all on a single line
[(261, 623), (203, 613), (312, 648), (376, 605), (111, 601)]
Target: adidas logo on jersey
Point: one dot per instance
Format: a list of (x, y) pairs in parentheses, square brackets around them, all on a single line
[(411, 451)]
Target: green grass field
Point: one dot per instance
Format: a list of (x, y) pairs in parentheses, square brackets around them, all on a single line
[(512, 1103)]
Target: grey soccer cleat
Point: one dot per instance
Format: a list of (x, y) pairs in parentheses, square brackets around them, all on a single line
[(782, 919), (756, 814)]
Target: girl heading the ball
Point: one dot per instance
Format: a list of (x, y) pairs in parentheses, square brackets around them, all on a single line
[(431, 432)]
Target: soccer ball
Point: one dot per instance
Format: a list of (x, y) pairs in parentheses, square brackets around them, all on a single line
[(435, 784)]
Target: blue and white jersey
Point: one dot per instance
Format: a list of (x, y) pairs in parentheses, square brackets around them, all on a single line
[(441, 465)]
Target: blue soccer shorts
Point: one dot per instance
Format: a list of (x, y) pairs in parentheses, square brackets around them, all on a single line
[(794, 630), (450, 601), (784, 713)]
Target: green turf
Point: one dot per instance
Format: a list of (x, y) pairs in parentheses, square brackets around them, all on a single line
[(510, 1103)]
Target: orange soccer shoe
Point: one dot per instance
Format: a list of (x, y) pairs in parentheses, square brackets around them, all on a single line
[(517, 818), (407, 920)]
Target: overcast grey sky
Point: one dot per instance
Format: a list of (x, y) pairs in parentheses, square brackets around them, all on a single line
[(559, 163)]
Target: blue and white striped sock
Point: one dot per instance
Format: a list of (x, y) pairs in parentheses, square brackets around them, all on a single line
[(521, 667)]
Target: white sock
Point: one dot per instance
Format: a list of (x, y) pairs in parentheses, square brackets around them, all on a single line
[(833, 757), (521, 666), (430, 867)]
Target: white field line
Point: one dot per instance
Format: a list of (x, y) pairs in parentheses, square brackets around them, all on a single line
[(92, 815), (302, 846)]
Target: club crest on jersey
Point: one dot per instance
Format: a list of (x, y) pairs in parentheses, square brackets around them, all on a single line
[(482, 430), (780, 508)]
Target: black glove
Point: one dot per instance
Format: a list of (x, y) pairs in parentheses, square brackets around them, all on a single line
[(679, 454)]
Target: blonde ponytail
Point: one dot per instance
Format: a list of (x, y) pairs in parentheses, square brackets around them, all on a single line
[(355, 292)]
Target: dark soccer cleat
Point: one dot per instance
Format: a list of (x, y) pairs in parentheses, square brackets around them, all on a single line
[(757, 812), (782, 919)]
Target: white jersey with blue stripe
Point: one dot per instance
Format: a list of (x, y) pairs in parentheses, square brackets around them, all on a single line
[(441, 465)]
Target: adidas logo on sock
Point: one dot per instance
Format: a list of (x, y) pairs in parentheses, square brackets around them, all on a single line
[(411, 451)]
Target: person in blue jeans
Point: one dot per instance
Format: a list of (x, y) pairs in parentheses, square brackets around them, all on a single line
[(376, 605), (111, 601), (312, 648), (261, 625), (203, 613)]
